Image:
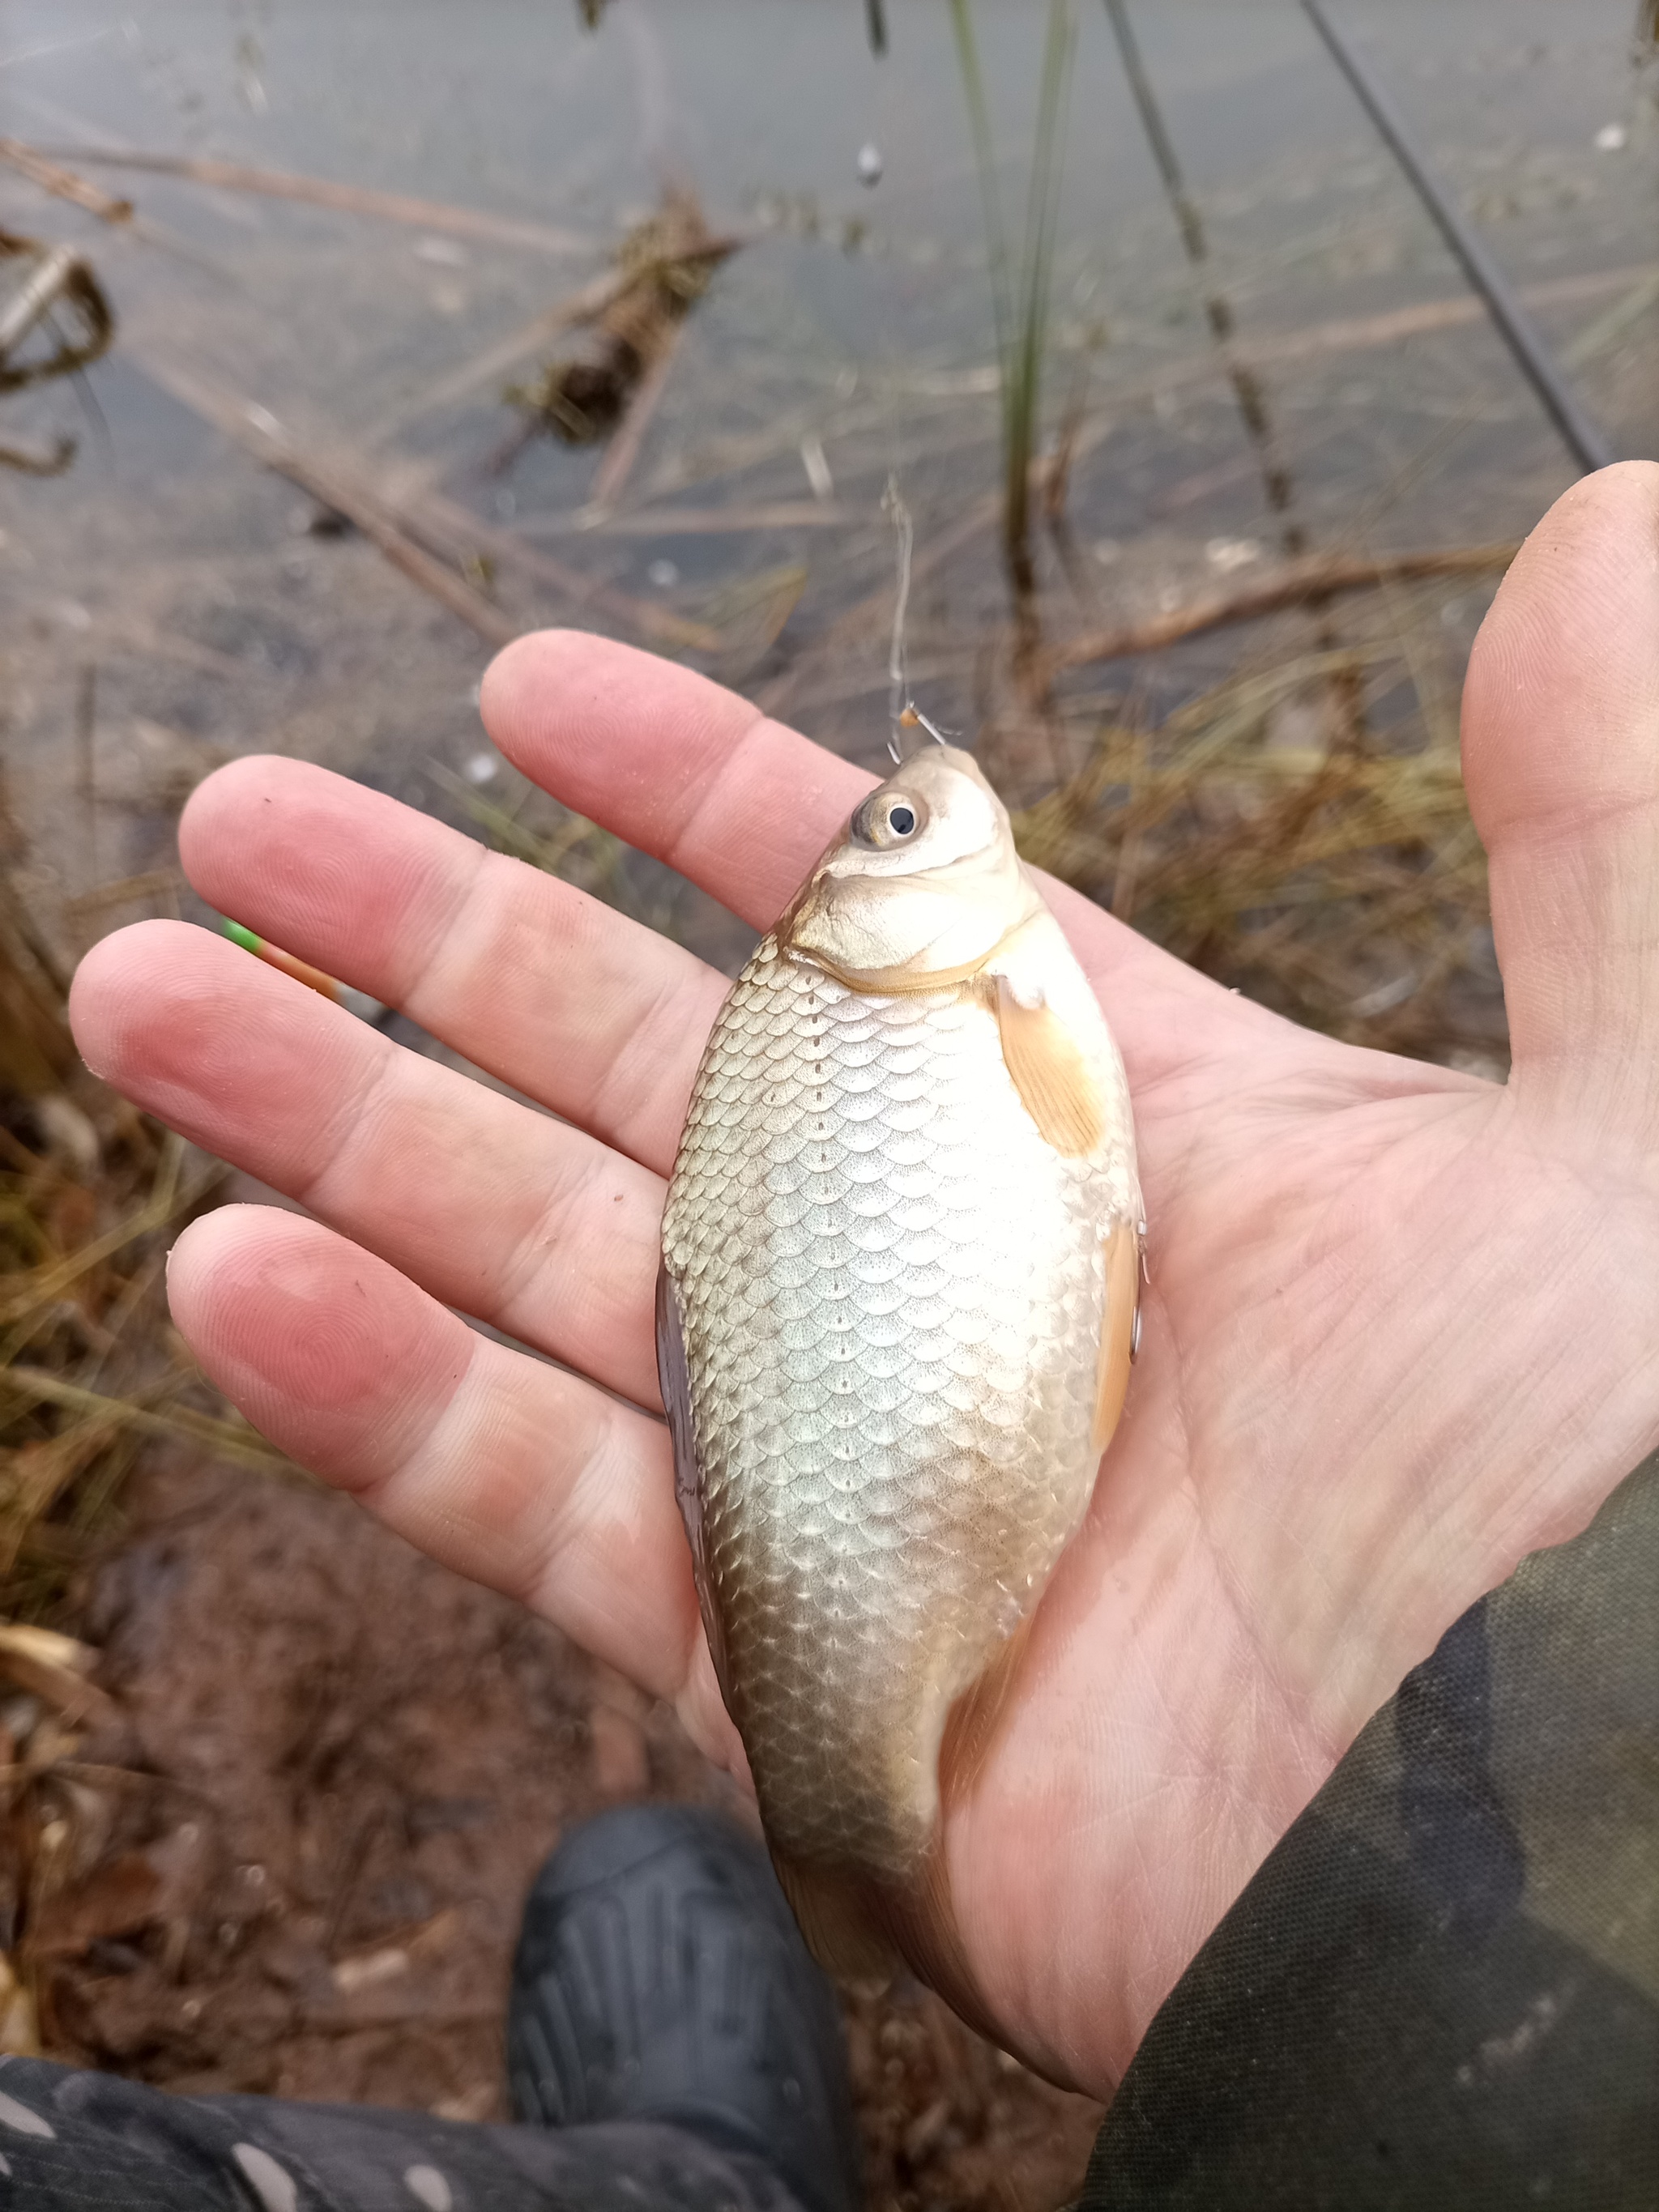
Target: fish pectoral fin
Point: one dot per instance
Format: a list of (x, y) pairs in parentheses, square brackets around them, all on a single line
[(1117, 1331), (1048, 1070)]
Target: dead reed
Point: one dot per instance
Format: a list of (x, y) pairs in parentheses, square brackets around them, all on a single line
[(1268, 833), (1019, 289), (92, 1195)]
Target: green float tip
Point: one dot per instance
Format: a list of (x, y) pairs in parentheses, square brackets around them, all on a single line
[(245, 938)]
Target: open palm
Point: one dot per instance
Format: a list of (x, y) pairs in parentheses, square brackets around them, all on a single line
[(1403, 1325)]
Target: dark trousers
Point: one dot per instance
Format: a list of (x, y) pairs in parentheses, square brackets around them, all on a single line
[(74, 2142)]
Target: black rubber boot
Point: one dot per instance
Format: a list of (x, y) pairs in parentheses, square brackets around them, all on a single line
[(660, 1976)]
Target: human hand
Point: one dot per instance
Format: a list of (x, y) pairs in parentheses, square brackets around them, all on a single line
[(1402, 1327)]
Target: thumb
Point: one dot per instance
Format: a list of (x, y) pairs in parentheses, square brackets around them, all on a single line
[(1561, 762)]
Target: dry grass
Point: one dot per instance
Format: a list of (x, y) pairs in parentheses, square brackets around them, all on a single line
[(1267, 834), (92, 1195)]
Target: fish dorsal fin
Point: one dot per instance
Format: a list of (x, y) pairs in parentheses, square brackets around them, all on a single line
[(1048, 1070), (1117, 1331)]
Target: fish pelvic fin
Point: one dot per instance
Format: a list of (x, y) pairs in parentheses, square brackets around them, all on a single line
[(976, 1717), (1117, 1330)]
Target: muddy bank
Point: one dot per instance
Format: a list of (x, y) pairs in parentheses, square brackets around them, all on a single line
[(286, 1850)]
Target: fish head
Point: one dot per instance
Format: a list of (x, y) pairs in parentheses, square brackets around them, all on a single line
[(921, 887)]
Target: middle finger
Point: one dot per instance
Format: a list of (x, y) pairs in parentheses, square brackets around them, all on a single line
[(513, 1217), (571, 1003)]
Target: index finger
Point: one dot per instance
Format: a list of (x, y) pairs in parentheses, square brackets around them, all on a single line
[(672, 761), (697, 776)]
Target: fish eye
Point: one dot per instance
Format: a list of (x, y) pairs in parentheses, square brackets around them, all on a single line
[(884, 821)]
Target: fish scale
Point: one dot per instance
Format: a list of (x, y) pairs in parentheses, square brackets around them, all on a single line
[(890, 1291)]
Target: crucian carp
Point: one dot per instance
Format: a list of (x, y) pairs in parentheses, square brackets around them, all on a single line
[(898, 1307)]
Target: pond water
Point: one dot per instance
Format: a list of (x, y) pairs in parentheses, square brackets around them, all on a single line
[(169, 601)]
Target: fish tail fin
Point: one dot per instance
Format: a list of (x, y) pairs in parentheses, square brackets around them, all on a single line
[(842, 1917), (922, 1920), (862, 1928)]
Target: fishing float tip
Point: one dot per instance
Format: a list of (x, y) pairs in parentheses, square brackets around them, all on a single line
[(355, 1002)]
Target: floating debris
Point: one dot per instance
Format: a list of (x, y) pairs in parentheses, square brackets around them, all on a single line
[(63, 184), (56, 280), (1308, 581), (342, 199), (666, 262)]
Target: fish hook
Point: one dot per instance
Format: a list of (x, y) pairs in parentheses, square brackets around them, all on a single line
[(912, 718)]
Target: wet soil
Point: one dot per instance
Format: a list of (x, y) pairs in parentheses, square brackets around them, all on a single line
[(289, 1855)]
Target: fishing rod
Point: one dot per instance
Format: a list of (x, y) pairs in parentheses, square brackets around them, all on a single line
[(1585, 437)]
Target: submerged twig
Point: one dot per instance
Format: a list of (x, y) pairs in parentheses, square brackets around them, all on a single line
[(51, 463), (63, 184), (617, 464), (343, 199), (54, 275), (421, 534), (259, 432), (578, 306), (1317, 576), (430, 512)]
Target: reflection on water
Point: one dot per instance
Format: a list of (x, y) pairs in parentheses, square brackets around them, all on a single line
[(1257, 349)]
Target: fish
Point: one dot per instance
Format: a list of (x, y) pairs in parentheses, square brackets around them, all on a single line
[(902, 1257)]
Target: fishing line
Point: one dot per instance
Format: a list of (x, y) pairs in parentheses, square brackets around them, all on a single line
[(902, 710), (902, 714), (898, 676)]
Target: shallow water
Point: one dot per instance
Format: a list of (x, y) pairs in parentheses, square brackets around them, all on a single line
[(850, 338)]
